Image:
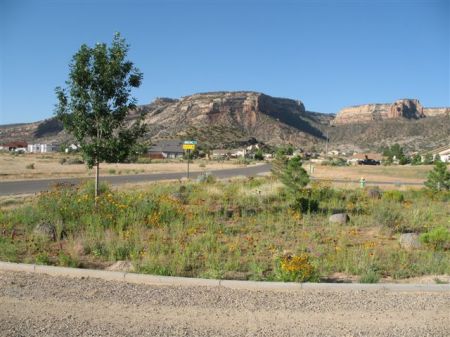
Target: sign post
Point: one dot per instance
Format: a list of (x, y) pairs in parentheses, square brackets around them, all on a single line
[(189, 145)]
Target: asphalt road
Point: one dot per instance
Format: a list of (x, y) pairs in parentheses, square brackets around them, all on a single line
[(36, 186)]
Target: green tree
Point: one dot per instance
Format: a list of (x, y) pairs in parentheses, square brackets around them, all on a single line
[(259, 155), (395, 151), (416, 159), (95, 105), (428, 159), (439, 177), (291, 174)]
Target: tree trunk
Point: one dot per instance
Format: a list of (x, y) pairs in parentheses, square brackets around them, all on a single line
[(97, 169)]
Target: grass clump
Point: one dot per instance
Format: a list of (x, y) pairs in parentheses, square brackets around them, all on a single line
[(438, 238)]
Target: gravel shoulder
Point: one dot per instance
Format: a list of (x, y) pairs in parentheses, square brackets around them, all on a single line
[(42, 305)]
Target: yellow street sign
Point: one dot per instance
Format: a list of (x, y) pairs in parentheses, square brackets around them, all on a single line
[(188, 146)]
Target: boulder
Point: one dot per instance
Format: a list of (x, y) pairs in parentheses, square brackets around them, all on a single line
[(374, 193), (205, 177), (409, 241), (339, 218), (124, 266), (45, 230)]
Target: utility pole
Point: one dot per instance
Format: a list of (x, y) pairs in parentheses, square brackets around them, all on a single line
[(189, 159)]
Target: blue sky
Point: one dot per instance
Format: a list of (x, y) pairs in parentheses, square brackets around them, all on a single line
[(329, 54)]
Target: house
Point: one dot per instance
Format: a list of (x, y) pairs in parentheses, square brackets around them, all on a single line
[(42, 148), (237, 153), (166, 149), (16, 146), (72, 148), (445, 155), (442, 152), (221, 154)]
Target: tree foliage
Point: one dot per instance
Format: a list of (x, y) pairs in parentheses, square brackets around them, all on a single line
[(439, 177), (95, 105), (291, 174), (395, 152)]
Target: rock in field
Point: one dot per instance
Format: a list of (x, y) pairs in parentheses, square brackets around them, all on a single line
[(374, 193), (124, 266), (409, 241), (340, 218), (45, 230)]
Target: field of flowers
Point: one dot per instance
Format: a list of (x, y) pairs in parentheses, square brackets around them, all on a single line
[(240, 229)]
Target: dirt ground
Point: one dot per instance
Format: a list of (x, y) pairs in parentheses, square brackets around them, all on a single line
[(407, 173), (48, 166), (40, 305)]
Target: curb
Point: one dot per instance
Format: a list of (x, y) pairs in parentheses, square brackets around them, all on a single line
[(231, 284)]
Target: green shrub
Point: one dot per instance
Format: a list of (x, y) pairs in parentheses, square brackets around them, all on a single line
[(389, 215), (42, 258), (306, 205), (8, 250), (393, 195), (438, 238), (66, 260), (371, 275), (30, 166), (112, 171)]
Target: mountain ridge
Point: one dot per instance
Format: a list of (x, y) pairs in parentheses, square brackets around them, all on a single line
[(229, 118)]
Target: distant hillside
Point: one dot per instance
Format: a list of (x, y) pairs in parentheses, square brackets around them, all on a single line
[(414, 135), (231, 119), (223, 118)]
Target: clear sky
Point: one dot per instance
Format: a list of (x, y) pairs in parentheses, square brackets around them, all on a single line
[(329, 54)]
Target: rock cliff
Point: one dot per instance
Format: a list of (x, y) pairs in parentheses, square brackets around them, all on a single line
[(403, 108), (242, 114)]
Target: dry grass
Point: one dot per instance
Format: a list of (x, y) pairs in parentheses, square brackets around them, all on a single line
[(48, 166), (412, 174)]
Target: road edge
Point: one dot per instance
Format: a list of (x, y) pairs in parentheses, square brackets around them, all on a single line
[(231, 284)]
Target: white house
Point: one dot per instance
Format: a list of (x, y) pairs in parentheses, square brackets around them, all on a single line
[(42, 148), (444, 155), (71, 148)]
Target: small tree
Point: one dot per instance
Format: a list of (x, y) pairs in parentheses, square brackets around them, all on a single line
[(291, 174), (96, 103), (428, 159), (439, 177), (259, 155), (416, 159)]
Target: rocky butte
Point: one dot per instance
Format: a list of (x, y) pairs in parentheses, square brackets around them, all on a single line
[(403, 108), (241, 114)]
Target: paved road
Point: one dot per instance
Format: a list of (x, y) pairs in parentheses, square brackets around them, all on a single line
[(42, 305), (35, 186)]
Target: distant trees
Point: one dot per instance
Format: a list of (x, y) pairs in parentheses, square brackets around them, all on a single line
[(396, 153), (96, 103)]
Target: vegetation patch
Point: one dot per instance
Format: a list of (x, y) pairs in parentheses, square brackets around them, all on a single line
[(239, 229)]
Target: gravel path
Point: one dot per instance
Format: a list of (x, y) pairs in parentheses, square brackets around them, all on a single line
[(41, 305)]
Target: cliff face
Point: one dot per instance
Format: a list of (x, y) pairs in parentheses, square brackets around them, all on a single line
[(246, 114), (403, 108), (431, 112)]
